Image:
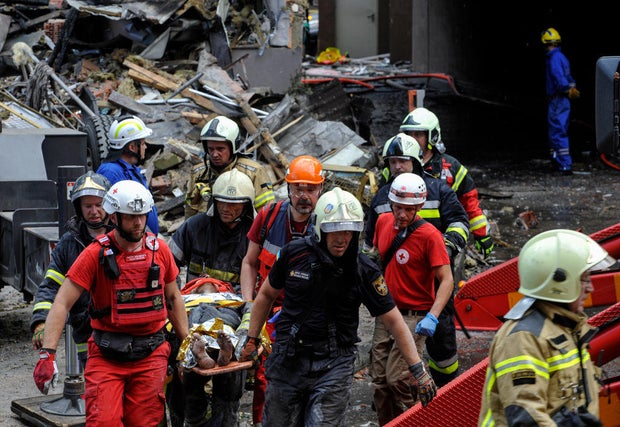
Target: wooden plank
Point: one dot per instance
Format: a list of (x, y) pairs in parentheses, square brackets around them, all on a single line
[(270, 149), (165, 81)]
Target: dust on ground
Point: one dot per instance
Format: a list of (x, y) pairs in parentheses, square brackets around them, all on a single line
[(587, 201)]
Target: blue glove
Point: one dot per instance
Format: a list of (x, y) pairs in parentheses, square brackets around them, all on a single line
[(427, 325)]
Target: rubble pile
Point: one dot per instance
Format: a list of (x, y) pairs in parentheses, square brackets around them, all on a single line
[(82, 63)]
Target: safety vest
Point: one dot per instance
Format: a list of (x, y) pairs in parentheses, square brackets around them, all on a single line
[(136, 299), (273, 235)]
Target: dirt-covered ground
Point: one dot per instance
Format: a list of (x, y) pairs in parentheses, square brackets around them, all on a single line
[(588, 201)]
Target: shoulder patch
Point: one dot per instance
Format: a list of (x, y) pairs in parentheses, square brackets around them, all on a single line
[(526, 376), (380, 286)]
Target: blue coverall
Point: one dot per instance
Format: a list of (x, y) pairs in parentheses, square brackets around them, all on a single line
[(559, 80)]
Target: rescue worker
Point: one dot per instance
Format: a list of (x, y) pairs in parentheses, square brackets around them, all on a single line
[(414, 257), (274, 226), (131, 277), (561, 89), (443, 210), (89, 221), (540, 371), (220, 139), (325, 280), (127, 138), (423, 125), (213, 244)]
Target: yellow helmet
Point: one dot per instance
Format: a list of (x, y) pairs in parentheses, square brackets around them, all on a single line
[(550, 36), (551, 264), (337, 210)]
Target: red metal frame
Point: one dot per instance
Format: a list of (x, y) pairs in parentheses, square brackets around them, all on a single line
[(483, 301), (458, 403)]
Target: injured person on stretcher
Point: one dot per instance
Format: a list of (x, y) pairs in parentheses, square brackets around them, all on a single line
[(218, 320)]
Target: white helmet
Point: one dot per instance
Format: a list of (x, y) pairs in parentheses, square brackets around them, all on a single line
[(422, 119), (551, 264), (126, 129), (128, 197), (221, 128), (408, 189), (338, 210), (403, 145)]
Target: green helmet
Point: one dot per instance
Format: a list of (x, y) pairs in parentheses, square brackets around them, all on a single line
[(338, 210), (422, 119), (551, 264)]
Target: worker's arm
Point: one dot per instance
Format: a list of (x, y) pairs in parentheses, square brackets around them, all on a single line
[(420, 381), (262, 307), (249, 271), (67, 295), (176, 310), (397, 327), (443, 274)]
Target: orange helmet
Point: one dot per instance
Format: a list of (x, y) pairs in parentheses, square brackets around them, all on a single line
[(304, 170)]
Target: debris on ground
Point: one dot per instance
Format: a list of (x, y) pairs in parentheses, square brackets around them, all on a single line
[(178, 64)]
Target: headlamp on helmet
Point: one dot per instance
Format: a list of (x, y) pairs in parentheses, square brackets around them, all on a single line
[(128, 197)]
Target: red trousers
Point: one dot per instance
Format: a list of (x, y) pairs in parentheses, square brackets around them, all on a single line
[(260, 381), (129, 394)]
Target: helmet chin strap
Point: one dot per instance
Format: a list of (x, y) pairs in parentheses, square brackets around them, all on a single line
[(97, 225)]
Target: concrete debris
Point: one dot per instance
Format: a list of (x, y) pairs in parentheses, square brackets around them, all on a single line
[(178, 64)]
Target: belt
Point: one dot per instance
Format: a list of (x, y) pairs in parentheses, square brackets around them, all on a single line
[(407, 312)]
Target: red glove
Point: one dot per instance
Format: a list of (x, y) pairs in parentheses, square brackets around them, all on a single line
[(46, 371)]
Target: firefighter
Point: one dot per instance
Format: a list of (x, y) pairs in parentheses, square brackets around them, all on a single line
[(561, 89), (412, 263), (89, 221), (274, 226), (131, 277), (127, 139), (540, 371), (213, 244), (325, 279), (423, 125), (443, 210), (220, 140)]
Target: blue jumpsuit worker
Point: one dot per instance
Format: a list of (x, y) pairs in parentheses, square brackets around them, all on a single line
[(560, 88), (325, 280), (443, 210), (127, 150), (89, 221)]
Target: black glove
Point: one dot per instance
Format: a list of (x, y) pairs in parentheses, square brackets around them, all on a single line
[(451, 248), (485, 246), (422, 384), (250, 350)]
